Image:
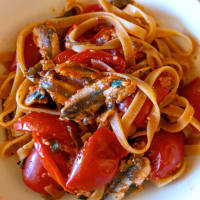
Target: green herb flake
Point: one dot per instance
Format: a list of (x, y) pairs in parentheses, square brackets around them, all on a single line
[(117, 83), (54, 146), (42, 96), (38, 94)]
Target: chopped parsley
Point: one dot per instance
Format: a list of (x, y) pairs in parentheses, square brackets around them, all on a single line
[(39, 94), (117, 83), (54, 146)]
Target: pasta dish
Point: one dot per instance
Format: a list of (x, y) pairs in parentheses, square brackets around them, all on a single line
[(94, 102)]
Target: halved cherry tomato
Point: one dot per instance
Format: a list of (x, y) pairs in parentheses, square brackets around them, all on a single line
[(192, 93), (80, 39), (90, 34), (31, 52), (85, 57), (58, 163), (35, 176), (140, 120), (162, 87), (55, 141), (63, 56), (97, 162), (104, 35), (166, 154), (47, 125), (93, 8), (117, 52)]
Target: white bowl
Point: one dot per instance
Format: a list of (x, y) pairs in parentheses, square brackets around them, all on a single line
[(182, 15)]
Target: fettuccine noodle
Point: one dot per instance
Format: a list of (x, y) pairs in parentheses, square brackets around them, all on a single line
[(147, 55)]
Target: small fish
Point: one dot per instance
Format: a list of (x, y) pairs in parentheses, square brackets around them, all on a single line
[(82, 74), (83, 105), (32, 73), (46, 39), (59, 90), (133, 174), (36, 95)]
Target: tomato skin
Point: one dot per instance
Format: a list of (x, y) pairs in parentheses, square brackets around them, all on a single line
[(85, 57), (57, 165), (47, 125), (104, 35), (80, 39), (117, 52), (162, 86), (63, 56), (47, 129), (166, 154), (161, 91), (97, 162), (93, 8), (192, 93), (31, 52), (125, 104), (35, 175)]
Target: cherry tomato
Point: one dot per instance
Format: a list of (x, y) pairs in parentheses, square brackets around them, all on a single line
[(47, 125), (35, 175), (192, 93), (166, 154), (55, 160), (63, 56), (80, 39), (123, 107), (93, 8), (117, 52), (54, 140), (91, 33), (162, 87), (85, 57), (104, 35), (97, 162), (31, 52)]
